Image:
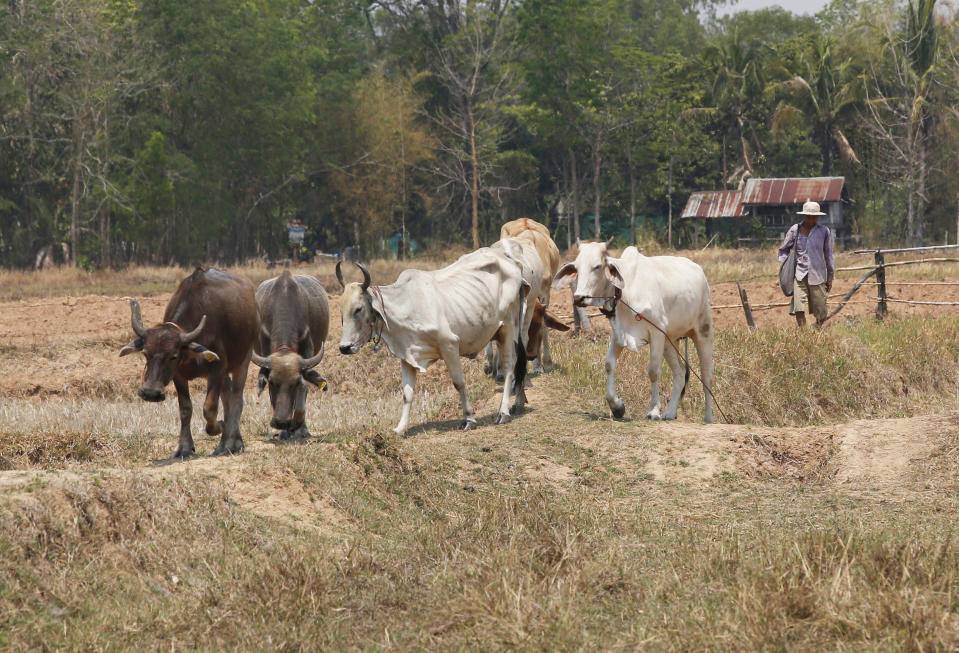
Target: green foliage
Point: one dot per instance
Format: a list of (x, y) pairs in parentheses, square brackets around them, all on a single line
[(164, 131)]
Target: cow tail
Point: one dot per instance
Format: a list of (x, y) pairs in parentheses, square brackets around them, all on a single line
[(519, 370), (682, 393)]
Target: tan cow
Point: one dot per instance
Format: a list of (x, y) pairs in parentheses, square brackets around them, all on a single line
[(535, 234)]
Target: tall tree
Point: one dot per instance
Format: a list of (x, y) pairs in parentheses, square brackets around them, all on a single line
[(471, 65), (390, 145), (736, 67), (827, 93), (904, 92), (240, 94)]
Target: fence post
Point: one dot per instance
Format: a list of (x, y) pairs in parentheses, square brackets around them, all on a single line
[(746, 308), (881, 309)]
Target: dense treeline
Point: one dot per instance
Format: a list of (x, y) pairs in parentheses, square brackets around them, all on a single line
[(165, 131)]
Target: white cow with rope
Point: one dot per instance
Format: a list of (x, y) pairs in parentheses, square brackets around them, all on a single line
[(648, 300)]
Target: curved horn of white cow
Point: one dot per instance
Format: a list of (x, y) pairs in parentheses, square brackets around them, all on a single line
[(367, 280), (339, 274), (310, 363), (136, 320), (610, 241), (261, 361), (192, 335)]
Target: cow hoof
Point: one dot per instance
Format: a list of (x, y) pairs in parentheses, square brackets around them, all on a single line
[(214, 429), (468, 425), (500, 378), (300, 433), (618, 410), (283, 435), (501, 418), (517, 409), (653, 416), (226, 450), (667, 418), (183, 453)]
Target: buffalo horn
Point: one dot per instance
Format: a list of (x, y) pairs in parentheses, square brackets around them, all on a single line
[(261, 361), (192, 335), (135, 319), (367, 280), (313, 361), (339, 274)]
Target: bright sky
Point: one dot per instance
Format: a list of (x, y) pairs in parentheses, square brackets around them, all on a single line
[(795, 6)]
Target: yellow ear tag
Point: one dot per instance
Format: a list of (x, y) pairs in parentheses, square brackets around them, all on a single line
[(323, 385), (210, 357)]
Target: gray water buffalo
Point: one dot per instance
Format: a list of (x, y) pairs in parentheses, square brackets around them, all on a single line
[(294, 321), (207, 332)]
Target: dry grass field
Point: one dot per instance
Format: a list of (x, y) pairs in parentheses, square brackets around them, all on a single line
[(820, 517)]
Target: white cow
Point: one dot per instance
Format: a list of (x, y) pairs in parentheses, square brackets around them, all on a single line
[(443, 314), (670, 292)]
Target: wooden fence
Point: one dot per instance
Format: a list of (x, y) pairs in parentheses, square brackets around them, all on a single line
[(877, 269)]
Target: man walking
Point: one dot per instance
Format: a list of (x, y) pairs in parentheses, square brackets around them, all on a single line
[(815, 265)]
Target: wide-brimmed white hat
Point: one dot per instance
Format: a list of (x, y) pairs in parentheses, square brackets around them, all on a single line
[(810, 208)]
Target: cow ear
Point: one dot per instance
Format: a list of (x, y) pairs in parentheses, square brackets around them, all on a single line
[(565, 277), (199, 351), (376, 301), (132, 348), (261, 380), (312, 376), (613, 275), (550, 321)]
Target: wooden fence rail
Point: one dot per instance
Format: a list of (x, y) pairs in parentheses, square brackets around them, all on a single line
[(877, 269)]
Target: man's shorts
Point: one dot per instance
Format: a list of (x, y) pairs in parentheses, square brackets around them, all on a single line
[(813, 296)]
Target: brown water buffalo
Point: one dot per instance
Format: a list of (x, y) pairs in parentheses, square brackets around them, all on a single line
[(207, 331), (294, 321)]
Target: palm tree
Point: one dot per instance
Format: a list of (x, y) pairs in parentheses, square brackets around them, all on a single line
[(736, 68), (827, 94), (905, 100)]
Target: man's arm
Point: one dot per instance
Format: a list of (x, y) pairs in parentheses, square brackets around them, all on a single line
[(829, 258), (787, 244)]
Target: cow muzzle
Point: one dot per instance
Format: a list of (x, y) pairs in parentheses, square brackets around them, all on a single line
[(348, 348), (151, 395), (579, 300)]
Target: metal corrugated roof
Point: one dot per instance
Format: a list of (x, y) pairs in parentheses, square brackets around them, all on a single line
[(714, 204), (779, 192)]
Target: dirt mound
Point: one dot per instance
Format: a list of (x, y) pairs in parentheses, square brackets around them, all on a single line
[(278, 494), (886, 452)]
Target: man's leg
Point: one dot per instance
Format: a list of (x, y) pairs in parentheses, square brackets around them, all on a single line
[(817, 303), (799, 301)]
